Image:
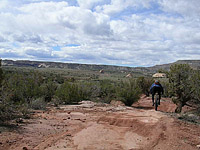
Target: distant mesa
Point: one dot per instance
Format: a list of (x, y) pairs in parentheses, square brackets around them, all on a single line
[(43, 66), (129, 75), (3, 63), (101, 71), (159, 75), (195, 64)]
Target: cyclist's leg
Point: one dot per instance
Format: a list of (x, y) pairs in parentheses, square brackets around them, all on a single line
[(153, 98)]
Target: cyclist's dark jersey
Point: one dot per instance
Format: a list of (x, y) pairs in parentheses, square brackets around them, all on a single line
[(156, 88)]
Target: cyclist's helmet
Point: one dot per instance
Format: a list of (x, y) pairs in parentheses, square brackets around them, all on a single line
[(156, 81)]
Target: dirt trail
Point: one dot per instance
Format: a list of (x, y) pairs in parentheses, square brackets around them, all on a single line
[(93, 126)]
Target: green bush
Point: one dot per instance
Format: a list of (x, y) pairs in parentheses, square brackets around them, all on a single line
[(70, 93), (20, 88), (167, 90), (195, 82), (9, 110), (129, 92), (144, 84), (107, 90), (38, 104), (48, 90), (102, 90), (17, 93)]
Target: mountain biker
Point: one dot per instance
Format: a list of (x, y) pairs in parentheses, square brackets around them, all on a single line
[(156, 87)]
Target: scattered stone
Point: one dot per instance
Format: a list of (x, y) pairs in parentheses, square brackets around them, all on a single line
[(198, 146), (117, 103), (87, 104), (19, 120), (68, 134), (25, 148)]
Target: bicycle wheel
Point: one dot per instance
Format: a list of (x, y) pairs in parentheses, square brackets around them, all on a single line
[(156, 102)]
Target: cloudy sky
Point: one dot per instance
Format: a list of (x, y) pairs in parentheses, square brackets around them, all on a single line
[(112, 32)]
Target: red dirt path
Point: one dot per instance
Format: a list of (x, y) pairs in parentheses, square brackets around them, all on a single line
[(104, 127)]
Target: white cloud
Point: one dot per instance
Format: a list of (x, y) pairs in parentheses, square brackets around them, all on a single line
[(88, 4), (116, 6), (183, 7), (121, 32), (3, 4)]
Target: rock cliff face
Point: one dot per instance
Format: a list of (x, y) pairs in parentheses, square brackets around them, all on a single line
[(38, 64)]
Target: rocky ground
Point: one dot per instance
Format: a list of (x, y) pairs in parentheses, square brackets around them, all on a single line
[(92, 126)]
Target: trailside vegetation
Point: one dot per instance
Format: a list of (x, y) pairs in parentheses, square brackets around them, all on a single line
[(144, 84), (23, 90), (129, 92), (184, 85)]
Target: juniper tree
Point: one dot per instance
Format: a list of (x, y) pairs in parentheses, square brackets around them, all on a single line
[(180, 83)]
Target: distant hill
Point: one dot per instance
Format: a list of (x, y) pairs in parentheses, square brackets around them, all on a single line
[(195, 64), (39, 64)]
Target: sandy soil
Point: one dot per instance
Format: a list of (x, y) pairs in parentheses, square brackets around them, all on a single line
[(91, 126)]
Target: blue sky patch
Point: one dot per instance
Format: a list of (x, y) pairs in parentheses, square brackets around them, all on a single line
[(15, 45), (56, 48), (73, 45)]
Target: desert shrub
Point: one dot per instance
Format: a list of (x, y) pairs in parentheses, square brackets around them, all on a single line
[(107, 90), (48, 90), (144, 84), (129, 92), (195, 83), (59, 79), (167, 90), (21, 88), (31, 88), (9, 110), (90, 90), (38, 104), (18, 90), (70, 93), (102, 90), (180, 84)]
